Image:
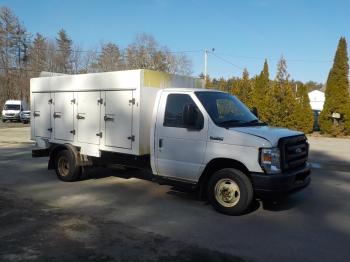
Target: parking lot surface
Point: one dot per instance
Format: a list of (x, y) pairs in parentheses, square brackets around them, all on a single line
[(114, 215)]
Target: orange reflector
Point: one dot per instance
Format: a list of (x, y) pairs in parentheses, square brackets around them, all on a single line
[(266, 158)]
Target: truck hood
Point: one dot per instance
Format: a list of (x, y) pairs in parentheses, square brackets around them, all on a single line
[(272, 134)]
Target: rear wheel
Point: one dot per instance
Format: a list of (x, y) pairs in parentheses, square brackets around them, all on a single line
[(66, 166), (230, 191)]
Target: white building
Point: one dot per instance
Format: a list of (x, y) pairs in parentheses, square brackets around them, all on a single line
[(317, 99)]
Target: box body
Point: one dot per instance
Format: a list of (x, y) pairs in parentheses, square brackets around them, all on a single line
[(99, 112)]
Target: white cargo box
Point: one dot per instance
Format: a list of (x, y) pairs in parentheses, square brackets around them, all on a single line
[(99, 112)]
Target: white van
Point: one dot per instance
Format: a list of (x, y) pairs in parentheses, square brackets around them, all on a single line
[(12, 110)]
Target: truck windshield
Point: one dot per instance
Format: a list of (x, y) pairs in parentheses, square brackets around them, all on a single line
[(11, 107), (226, 110)]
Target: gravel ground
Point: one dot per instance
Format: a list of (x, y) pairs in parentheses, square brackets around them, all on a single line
[(30, 231), (120, 215), (8, 124)]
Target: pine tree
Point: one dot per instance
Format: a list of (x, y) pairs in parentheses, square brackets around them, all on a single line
[(222, 84), (337, 94), (303, 112), (281, 99), (63, 57), (244, 89), (110, 58), (261, 87), (37, 55)]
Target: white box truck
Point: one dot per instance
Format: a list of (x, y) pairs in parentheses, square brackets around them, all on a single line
[(171, 125)]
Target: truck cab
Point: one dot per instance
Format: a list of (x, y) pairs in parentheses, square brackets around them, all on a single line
[(211, 139)]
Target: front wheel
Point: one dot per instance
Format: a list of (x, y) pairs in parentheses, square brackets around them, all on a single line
[(66, 167), (230, 191)]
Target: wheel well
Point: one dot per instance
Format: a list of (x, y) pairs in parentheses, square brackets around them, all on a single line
[(215, 165), (57, 148)]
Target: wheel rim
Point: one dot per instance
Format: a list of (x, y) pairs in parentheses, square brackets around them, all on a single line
[(63, 166), (227, 192)]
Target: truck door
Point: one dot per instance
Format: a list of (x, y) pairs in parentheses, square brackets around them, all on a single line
[(179, 151), (88, 115), (63, 116), (42, 115), (118, 118)]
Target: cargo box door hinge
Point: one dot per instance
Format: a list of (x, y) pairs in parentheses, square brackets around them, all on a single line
[(50, 101), (132, 101), (99, 134), (132, 138), (72, 132), (100, 101)]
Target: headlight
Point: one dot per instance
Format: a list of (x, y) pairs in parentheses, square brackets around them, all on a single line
[(270, 160)]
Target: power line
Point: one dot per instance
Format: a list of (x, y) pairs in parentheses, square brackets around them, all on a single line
[(276, 59), (225, 60)]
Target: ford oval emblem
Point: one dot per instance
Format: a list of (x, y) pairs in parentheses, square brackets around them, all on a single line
[(298, 150)]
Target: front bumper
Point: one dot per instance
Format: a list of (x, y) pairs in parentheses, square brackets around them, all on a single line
[(287, 182), (10, 117)]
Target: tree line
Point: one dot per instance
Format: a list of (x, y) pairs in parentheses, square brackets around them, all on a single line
[(23, 56)]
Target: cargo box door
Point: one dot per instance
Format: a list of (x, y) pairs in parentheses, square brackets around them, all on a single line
[(88, 116), (41, 115), (63, 116), (118, 119)]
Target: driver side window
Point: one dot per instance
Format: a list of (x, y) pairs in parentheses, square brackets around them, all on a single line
[(174, 109)]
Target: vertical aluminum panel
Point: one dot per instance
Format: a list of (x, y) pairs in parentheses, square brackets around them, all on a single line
[(88, 117), (41, 115), (118, 119), (63, 116)]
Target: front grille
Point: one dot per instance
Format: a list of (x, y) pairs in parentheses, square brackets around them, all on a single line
[(9, 114), (294, 152)]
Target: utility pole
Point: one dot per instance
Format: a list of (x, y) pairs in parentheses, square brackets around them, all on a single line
[(206, 63)]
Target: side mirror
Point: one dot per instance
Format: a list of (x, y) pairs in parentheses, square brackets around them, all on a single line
[(192, 118), (255, 111)]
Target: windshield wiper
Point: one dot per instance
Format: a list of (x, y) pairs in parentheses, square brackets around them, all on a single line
[(253, 121), (256, 121), (232, 121)]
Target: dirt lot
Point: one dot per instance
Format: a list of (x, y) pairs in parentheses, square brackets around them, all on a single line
[(112, 215)]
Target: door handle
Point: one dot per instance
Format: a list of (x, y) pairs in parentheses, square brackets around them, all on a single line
[(160, 143), (36, 114), (57, 115), (107, 118), (79, 116)]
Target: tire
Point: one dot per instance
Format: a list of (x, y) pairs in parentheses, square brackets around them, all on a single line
[(66, 167), (3, 120), (238, 189)]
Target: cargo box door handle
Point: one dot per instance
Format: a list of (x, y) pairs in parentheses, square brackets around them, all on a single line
[(57, 115), (36, 114), (80, 116), (108, 118)]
